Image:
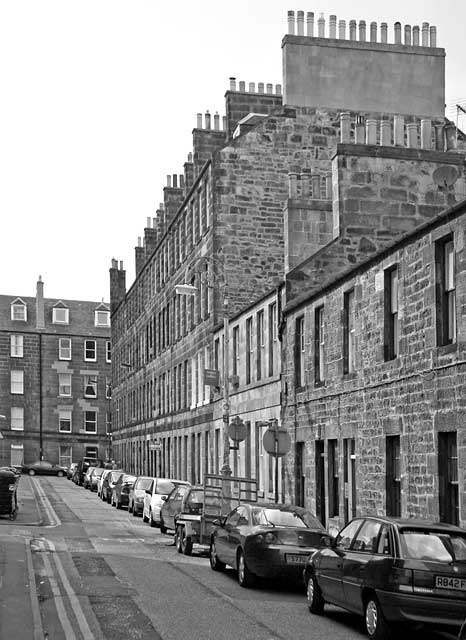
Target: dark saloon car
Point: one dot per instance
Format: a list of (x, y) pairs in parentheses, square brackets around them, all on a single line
[(268, 541), (44, 468), (392, 571), (108, 484), (120, 490), (137, 493)]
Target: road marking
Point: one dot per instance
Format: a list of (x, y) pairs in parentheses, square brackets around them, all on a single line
[(74, 601), (45, 502), (58, 599), (38, 630)]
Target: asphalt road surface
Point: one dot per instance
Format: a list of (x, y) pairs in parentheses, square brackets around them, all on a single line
[(101, 573)]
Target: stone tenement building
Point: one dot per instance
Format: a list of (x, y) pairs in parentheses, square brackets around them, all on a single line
[(55, 382), (292, 190), (374, 377)]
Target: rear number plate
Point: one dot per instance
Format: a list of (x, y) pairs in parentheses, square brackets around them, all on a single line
[(445, 582), (295, 558)]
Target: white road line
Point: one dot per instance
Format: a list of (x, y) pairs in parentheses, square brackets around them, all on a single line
[(51, 515), (58, 599), (38, 630), (76, 605)]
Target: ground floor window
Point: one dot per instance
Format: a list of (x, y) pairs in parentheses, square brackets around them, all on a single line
[(64, 455), (16, 454)]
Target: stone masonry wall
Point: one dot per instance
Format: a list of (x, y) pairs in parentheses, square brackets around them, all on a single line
[(416, 395)]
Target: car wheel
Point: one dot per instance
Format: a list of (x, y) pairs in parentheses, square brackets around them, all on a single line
[(32, 472), (245, 577), (376, 625), (163, 528), (117, 503), (315, 602), (215, 563), (135, 513), (60, 474), (144, 518), (185, 543)]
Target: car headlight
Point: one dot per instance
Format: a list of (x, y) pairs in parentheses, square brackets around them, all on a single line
[(266, 538)]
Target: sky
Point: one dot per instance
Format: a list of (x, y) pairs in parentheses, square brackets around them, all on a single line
[(98, 102)]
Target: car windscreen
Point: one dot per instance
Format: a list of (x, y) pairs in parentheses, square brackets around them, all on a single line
[(433, 545), (164, 487), (114, 476), (281, 518), (143, 483), (196, 497), (98, 471)]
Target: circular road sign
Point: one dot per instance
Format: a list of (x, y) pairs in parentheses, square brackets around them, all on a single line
[(276, 443), (237, 430)]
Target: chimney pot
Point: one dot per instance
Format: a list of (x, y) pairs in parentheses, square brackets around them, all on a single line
[(408, 34), (242, 86), (425, 34), (342, 29), (362, 30), (199, 121), (252, 87), (397, 32), (175, 181), (352, 30), (148, 223), (207, 120), (216, 121), (321, 26), (169, 181), (310, 24), (373, 32), (300, 23), (333, 26), (278, 89), (232, 84), (383, 32), (291, 23), (190, 157), (269, 87), (260, 87), (433, 36), (416, 36)]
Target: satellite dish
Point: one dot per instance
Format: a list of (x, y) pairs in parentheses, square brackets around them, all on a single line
[(445, 176)]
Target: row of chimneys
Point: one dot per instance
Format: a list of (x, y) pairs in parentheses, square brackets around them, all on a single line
[(365, 132), (413, 36), (208, 121), (261, 87), (303, 185)]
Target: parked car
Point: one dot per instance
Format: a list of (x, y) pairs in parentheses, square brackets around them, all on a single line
[(120, 491), (71, 469), (42, 467), (94, 478), (267, 541), (392, 571), (181, 498), (83, 466), (137, 493), (87, 477), (108, 483), (154, 498), (100, 481), (462, 633)]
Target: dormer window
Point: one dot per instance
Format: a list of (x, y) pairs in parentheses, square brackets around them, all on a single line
[(19, 310), (102, 318), (60, 315)]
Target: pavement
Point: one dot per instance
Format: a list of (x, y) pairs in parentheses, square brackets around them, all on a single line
[(19, 604)]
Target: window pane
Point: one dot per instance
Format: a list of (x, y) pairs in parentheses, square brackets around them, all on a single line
[(17, 418)]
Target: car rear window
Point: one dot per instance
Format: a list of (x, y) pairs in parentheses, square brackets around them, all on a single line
[(433, 545), (279, 518), (164, 487), (143, 483)]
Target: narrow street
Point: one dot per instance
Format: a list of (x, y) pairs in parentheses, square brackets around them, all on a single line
[(101, 573)]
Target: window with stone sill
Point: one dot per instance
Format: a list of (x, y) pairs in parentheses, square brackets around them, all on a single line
[(90, 350), (64, 384), (17, 381), (17, 418), (445, 290), (300, 380), (64, 421), (90, 386), (64, 348), (348, 332), (90, 422), (391, 322), (108, 351), (16, 346)]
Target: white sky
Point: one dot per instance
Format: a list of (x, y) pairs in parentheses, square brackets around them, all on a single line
[(98, 102)]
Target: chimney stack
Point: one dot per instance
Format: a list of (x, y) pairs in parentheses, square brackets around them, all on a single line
[(40, 313)]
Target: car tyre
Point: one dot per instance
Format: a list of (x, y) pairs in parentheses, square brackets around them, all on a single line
[(135, 513), (245, 577), (32, 472), (163, 528), (315, 601), (151, 520), (376, 626), (185, 543), (130, 508), (144, 518), (215, 563)]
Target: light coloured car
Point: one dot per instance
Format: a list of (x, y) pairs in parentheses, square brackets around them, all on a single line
[(137, 493), (100, 481), (155, 496)]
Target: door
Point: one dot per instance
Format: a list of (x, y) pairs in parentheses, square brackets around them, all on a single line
[(320, 480), (330, 568), (362, 551), (223, 538)]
